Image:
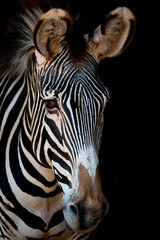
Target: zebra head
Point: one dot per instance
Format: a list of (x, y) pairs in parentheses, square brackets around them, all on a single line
[(72, 100)]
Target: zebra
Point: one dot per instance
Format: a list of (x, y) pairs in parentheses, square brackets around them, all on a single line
[(51, 121)]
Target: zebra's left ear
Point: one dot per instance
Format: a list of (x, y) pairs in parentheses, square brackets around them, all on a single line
[(113, 36), (50, 30)]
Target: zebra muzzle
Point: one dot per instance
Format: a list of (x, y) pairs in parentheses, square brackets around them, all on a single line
[(85, 206), (82, 218)]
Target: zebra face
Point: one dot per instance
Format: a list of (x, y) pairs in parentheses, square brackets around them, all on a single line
[(73, 101), (52, 105)]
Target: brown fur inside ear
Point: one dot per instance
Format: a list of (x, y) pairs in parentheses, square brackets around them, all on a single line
[(50, 31), (113, 36)]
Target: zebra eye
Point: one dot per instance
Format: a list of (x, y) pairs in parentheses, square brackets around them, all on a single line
[(50, 104)]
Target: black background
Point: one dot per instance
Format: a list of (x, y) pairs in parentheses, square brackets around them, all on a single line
[(126, 155)]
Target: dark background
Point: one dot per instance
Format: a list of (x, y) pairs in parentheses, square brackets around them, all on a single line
[(126, 155)]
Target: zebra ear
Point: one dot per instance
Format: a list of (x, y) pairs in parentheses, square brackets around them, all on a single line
[(113, 36), (50, 30)]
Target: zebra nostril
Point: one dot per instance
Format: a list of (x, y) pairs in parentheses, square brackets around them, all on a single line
[(74, 210), (105, 207)]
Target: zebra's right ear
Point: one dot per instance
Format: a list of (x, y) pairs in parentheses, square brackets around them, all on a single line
[(50, 30)]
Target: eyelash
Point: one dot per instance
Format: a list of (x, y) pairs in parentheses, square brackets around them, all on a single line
[(52, 103)]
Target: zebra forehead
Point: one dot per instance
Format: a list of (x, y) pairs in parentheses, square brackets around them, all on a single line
[(63, 76), (77, 90)]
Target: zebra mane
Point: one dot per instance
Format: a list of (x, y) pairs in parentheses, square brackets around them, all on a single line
[(17, 46)]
